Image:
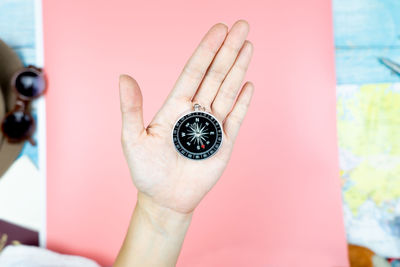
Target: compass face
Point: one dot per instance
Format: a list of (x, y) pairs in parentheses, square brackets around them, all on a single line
[(197, 135)]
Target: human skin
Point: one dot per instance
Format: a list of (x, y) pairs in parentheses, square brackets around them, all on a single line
[(169, 185)]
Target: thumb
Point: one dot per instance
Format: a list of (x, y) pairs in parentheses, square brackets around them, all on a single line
[(131, 101)]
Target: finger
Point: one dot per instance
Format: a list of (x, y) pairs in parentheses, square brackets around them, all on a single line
[(222, 63), (197, 65), (236, 116), (230, 87), (131, 101)]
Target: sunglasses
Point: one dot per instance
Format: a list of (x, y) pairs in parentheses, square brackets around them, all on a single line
[(18, 124)]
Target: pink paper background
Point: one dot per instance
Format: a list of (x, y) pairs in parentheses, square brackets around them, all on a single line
[(277, 204)]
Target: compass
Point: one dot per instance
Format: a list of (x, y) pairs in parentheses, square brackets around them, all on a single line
[(197, 135)]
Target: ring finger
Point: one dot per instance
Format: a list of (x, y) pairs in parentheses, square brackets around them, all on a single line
[(230, 87)]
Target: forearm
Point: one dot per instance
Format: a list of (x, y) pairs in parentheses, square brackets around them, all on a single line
[(155, 235)]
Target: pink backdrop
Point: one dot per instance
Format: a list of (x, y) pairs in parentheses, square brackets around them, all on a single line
[(277, 204)]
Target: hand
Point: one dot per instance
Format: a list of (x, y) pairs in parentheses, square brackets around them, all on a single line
[(212, 77)]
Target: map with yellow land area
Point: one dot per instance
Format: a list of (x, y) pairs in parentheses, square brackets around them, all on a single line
[(368, 121)]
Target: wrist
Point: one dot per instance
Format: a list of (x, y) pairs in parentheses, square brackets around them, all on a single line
[(162, 219), (155, 235)]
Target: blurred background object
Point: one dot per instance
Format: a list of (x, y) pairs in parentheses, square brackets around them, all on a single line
[(393, 66), (22, 179), (9, 64)]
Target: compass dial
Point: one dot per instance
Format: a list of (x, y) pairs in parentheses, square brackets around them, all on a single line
[(197, 135)]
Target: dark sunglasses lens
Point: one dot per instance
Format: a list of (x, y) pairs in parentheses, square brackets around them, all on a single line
[(18, 125), (30, 84)]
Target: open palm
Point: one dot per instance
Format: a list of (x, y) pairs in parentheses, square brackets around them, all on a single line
[(212, 77)]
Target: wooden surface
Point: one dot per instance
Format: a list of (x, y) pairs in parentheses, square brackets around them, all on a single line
[(365, 30), (17, 27)]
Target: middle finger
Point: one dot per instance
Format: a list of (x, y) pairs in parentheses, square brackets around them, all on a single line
[(221, 64)]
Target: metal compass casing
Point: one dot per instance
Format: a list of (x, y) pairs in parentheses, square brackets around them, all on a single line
[(197, 135)]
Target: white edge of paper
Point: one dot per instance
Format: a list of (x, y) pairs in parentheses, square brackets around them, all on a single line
[(41, 124)]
